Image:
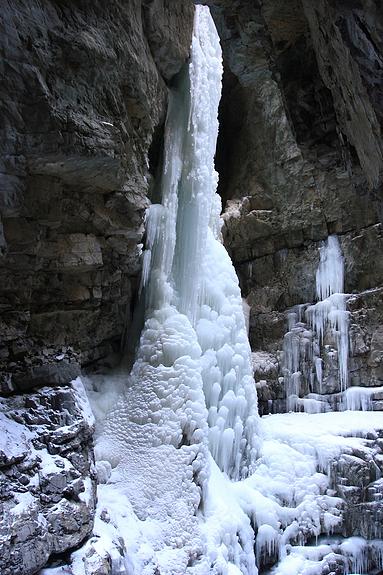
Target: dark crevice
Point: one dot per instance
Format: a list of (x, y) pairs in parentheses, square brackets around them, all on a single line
[(231, 117), (309, 103), (155, 152)]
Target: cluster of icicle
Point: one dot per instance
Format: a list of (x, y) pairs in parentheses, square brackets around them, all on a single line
[(330, 311), (186, 267), (191, 404), (327, 319)]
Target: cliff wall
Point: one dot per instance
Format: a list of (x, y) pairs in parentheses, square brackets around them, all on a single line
[(300, 157), (84, 97)]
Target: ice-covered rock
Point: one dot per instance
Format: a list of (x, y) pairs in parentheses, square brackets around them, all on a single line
[(47, 481)]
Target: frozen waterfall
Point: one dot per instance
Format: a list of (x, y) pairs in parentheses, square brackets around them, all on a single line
[(318, 327), (191, 390), (188, 272)]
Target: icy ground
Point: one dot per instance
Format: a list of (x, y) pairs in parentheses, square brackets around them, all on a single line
[(291, 497)]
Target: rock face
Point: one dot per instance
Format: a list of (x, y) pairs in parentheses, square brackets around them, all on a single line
[(84, 94), (47, 476), (84, 100), (300, 157)]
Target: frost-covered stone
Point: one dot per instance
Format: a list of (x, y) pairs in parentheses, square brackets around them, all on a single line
[(47, 482)]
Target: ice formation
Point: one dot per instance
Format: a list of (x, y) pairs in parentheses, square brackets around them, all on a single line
[(186, 485), (190, 402), (191, 278), (330, 311), (309, 326)]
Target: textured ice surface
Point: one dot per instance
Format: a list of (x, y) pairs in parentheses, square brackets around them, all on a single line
[(189, 404), (327, 319), (290, 495), (288, 500)]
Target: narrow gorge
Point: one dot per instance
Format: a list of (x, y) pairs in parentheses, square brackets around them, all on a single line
[(191, 299)]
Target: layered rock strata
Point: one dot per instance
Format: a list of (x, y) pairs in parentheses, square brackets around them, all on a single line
[(84, 100)]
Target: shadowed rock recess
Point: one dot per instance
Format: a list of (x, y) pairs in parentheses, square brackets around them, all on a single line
[(84, 96)]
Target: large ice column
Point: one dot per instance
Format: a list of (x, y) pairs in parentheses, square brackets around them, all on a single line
[(190, 269), (191, 387), (208, 286)]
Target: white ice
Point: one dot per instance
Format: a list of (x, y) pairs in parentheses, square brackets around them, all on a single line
[(330, 311), (328, 322)]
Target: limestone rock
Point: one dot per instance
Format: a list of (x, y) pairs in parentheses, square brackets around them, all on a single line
[(83, 114), (47, 477)]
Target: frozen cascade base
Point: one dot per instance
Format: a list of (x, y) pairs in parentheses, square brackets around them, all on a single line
[(317, 479)]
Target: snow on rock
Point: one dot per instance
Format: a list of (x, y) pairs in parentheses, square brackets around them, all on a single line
[(304, 468), (14, 441), (315, 475), (47, 494), (354, 555)]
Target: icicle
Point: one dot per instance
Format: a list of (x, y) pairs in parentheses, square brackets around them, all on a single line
[(360, 398), (302, 364), (330, 273), (330, 311)]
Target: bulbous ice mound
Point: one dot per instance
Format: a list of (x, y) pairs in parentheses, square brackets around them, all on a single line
[(191, 388)]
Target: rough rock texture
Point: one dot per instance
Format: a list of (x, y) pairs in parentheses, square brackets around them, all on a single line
[(84, 96), (300, 157), (47, 476), (357, 481)]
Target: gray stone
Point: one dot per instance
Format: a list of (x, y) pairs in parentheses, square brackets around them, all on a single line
[(47, 479), (82, 135)]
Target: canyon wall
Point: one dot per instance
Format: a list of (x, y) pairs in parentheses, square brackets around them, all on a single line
[(84, 99), (300, 157), (84, 92)]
